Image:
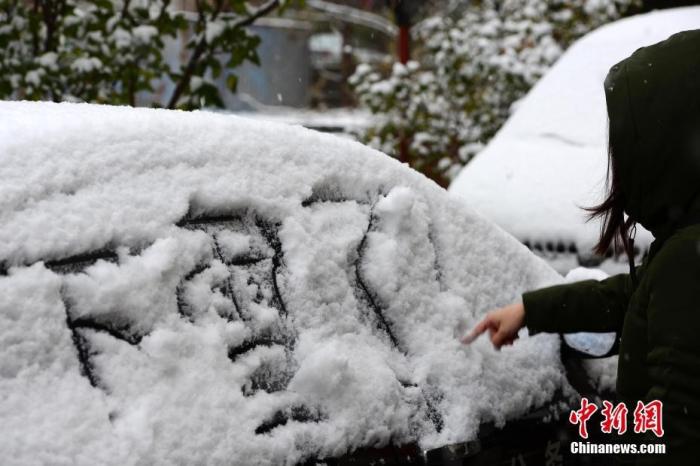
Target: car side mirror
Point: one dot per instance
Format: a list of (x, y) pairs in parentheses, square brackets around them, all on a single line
[(590, 345), (576, 347)]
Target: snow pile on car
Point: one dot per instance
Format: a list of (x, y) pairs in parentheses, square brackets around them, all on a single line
[(193, 288)]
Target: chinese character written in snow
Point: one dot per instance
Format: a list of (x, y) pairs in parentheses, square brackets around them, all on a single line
[(614, 418), (648, 417), (582, 415), (552, 454)]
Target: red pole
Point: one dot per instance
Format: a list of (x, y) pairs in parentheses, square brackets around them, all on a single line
[(404, 44)]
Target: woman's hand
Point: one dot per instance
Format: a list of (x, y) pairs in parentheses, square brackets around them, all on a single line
[(503, 325)]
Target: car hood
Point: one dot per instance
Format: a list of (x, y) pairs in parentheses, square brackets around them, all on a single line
[(197, 288)]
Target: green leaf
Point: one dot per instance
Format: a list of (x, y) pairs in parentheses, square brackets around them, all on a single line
[(232, 82)]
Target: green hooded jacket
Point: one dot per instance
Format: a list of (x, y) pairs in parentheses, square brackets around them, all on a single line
[(653, 100)]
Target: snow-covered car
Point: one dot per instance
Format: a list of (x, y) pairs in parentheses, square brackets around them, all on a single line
[(194, 288), (550, 158)]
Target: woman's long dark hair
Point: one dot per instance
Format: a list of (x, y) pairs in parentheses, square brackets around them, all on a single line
[(616, 232)]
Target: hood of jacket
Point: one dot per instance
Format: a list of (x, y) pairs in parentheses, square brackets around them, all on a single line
[(653, 102)]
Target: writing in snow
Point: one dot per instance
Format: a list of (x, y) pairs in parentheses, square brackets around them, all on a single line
[(646, 417)]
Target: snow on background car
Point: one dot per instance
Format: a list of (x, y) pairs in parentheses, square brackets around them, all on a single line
[(194, 288), (550, 159)]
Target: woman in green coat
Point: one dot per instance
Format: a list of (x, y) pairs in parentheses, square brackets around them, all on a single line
[(653, 103)]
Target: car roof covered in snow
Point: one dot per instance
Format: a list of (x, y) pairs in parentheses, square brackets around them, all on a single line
[(197, 288), (549, 159)]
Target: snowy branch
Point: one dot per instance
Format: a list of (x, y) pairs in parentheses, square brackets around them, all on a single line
[(202, 45), (259, 12)]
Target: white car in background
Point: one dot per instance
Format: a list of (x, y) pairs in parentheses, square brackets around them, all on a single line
[(550, 158), (196, 288)]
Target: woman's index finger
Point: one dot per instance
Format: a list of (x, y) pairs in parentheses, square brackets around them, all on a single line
[(480, 328)]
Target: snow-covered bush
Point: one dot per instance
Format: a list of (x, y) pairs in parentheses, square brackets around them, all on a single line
[(469, 72), (109, 51)]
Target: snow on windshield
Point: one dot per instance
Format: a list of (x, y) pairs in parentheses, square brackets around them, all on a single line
[(193, 288)]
